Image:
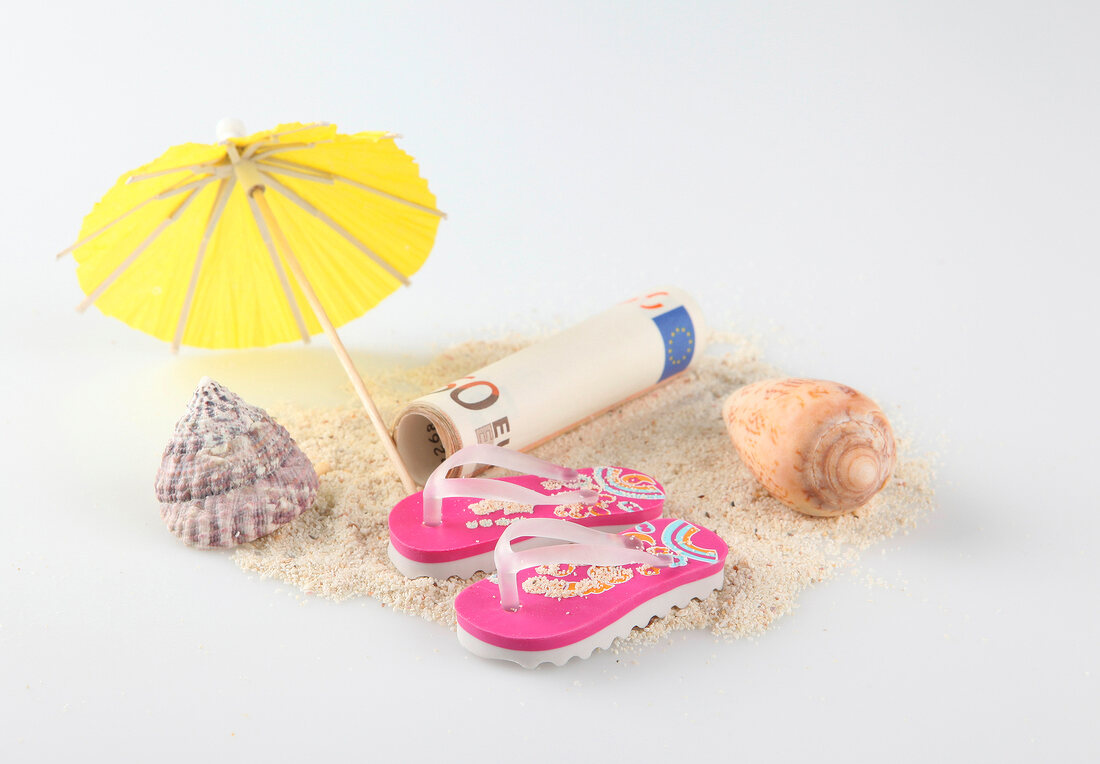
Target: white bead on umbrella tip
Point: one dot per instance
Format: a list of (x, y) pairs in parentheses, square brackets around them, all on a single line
[(229, 127)]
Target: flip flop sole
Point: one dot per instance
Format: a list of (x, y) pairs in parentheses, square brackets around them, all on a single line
[(468, 566), (639, 617)]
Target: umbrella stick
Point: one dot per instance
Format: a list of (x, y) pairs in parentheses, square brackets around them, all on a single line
[(337, 345)]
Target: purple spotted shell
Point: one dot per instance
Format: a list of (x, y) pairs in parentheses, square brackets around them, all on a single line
[(230, 473)]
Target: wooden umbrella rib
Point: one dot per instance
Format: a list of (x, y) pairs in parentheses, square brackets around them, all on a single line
[(312, 177), (224, 188), (201, 167), (366, 187), (324, 218), (392, 197), (265, 234), (103, 285), (197, 183), (286, 164), (254, 147), (179, 187), (280, 148)]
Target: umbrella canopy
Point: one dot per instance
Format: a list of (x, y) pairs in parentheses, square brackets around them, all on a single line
[(178, 249), (260, 239)]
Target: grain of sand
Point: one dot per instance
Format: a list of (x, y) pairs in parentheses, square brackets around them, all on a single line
[(337, 549)]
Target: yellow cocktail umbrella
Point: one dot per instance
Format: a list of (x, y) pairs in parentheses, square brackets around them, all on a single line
[(260, 239)]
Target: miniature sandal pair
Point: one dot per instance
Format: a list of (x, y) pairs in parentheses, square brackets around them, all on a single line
[(552, 603), (450, 528)]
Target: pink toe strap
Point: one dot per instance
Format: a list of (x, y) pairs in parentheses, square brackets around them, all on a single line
[(439, 486), (590, 547)]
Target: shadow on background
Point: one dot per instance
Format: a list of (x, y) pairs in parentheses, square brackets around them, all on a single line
[(305, 376)]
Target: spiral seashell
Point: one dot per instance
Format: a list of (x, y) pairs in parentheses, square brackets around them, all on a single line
[(819, 447), (230, 473)]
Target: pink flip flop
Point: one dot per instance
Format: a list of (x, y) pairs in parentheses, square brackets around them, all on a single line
[(450, 528), (581, 596)]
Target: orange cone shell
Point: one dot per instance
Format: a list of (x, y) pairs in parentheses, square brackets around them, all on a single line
[(819, 447)]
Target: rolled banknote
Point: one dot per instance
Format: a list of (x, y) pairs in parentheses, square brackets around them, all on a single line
[(555, 384)]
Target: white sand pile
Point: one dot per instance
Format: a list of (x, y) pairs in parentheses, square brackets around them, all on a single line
[(338, 548)]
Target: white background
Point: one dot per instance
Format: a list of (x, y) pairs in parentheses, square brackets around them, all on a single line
[(902, 197)]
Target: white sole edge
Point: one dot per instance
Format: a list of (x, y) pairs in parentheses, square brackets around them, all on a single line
[(602, 639), (467, 566)]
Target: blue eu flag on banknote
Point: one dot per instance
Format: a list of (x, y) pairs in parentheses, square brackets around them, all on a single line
[(678, 335)]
